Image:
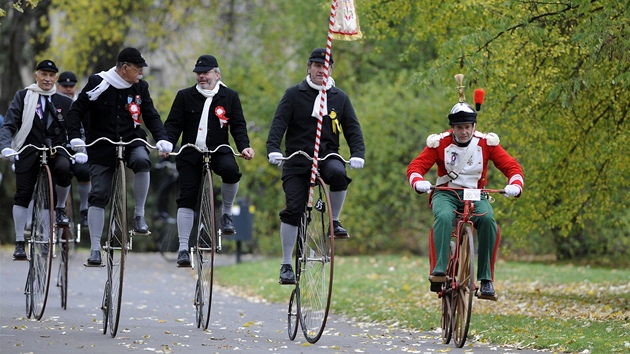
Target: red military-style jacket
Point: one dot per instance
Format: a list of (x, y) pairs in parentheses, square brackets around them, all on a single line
[(442, 150)]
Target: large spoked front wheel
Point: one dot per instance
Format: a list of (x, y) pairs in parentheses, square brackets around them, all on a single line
[(463, 297), (115, 249), (204, 252), (316, 273), (41, 243)]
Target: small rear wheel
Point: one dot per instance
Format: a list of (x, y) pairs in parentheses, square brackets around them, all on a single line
[(293, 315)]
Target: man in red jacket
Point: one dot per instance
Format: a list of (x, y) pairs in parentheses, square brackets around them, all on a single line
[(462, 154)]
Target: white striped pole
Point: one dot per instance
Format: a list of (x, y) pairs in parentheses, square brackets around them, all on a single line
[(322, 103)]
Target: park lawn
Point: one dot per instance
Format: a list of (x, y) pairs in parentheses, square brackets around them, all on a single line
[(562, 308)]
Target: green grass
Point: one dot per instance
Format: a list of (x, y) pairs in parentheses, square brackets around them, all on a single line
[(562, 308)]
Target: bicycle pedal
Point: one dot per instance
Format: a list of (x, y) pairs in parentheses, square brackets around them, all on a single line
[(185, 266), (87, 265), (488, 297)]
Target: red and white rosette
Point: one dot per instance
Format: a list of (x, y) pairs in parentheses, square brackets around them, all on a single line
[(134, 110), (220, 113)]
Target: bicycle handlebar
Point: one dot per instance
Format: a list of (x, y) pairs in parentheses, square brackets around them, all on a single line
[(300, 152), (482, 190), (119, 143), (193, 146), (52, 149)]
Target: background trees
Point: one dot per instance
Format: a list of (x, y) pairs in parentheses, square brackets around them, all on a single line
[(555, 73)]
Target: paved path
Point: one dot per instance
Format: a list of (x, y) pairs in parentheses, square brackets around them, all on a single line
[(158, 316)]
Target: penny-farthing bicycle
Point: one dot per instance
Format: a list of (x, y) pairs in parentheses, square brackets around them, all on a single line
[(208, 240), (40, 241), (314, 262), (118, 237)]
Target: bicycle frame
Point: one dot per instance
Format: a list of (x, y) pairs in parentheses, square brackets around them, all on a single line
[(208, 239), (118, 238), (314, 261)]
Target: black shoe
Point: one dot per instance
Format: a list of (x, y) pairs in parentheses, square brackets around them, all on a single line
[(487, 289), (183, 259), (19, 252), (140, 225), (84, 220), (95, 258), (436, 287), (286, 274), (339, 231), (437, 278), (60, 218), (227, 226)]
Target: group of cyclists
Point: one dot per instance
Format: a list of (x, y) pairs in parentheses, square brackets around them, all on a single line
[(117, 104)]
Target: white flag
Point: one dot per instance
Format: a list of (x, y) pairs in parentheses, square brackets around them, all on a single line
[(346, 26)]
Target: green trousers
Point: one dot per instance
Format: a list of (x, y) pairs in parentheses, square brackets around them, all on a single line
[(444, 204)]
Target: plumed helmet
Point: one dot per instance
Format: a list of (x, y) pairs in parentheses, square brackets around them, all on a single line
[(461, 112)]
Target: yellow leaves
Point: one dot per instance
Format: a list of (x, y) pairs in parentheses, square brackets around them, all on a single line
[(248, 324)]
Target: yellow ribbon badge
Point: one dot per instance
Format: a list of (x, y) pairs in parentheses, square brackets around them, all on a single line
[(336, 126)]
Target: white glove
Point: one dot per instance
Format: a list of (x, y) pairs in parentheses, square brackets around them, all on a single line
[(274, 158), (512, 190), (356, 162), (164, 146), (422, 186), (8, 151), (76, 145), (80, 158)]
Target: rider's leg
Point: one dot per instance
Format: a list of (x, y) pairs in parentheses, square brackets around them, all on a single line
[(486, 228), (333, 172), (98, 199), (288, 236), (336, 203), (96, 222), (443, 203), (141, 182), (185, 221), (140, 164)]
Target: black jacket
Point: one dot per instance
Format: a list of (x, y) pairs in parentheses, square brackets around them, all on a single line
[(56, 111), (293, 117), (183, 120), (108, 116)]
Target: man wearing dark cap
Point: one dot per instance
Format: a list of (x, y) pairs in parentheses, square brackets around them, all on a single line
[(204, 114), (115, 104), (67, 85), (37, 114), (296, 115)]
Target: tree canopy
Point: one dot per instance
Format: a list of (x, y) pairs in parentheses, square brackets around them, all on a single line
[(556, 75)]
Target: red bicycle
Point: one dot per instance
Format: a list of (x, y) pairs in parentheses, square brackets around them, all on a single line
[(458, 285)]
